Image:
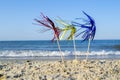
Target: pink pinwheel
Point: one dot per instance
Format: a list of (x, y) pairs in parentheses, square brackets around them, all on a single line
[(48, 23)]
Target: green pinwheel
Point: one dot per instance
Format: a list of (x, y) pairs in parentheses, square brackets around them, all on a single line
[(68, 27)]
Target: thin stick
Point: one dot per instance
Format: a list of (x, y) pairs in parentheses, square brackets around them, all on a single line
[(88, 51), (63, 34), (59, 48), (74, 46)]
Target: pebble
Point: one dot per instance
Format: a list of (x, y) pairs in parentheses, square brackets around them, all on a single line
[(17, 75), (1, 67), (55, 70), (1, 75)]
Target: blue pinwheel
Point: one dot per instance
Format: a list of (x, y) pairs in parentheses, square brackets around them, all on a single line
[(89, 32)]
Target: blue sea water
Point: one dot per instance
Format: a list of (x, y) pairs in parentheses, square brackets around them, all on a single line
[(46, 48)]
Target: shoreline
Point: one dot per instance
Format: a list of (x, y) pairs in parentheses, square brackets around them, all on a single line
[(54, 58)]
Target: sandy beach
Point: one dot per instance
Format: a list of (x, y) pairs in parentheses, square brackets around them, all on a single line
[(56, 70)]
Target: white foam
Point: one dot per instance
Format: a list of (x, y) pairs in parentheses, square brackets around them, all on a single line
[(53, 53)]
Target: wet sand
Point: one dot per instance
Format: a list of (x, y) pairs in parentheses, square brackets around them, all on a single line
[(56, 70)]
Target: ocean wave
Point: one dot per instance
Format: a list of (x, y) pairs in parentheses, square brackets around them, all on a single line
[(32, 53)]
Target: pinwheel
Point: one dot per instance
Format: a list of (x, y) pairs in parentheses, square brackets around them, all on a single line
[(72, 33), (48, 23), (89, 32)]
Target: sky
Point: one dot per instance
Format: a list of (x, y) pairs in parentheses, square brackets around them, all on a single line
[(17, 17)]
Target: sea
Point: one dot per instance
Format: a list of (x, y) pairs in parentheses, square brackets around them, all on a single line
[(46, 49)]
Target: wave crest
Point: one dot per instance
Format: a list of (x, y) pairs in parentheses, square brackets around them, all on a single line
[(31, 53)]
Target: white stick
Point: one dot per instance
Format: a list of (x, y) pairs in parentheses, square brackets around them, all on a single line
[(74, 47), (59, 48), (63, 34), (88, 49)]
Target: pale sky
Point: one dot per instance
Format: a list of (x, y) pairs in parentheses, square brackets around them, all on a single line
[(17, 16)]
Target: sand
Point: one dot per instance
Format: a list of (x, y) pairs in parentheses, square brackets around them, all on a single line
[(56, 70)]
